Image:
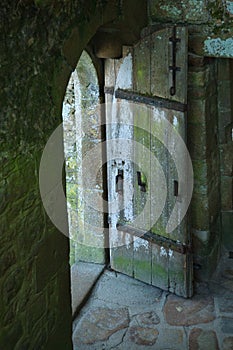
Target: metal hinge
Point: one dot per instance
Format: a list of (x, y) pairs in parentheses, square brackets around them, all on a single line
[(165, 242), (174, 40)]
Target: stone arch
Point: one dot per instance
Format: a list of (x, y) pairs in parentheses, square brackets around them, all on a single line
[(43, 40)]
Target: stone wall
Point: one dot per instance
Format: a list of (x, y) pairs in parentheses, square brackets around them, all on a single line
[(209, 120), (41, 42), (203, 147), (225, 124)]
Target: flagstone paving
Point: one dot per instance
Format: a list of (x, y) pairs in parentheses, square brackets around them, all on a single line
[(123, 313)]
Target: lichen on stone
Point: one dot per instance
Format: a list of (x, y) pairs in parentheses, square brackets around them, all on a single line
[(218, 47)]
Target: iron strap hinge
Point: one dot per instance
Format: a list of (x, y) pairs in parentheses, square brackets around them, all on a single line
[(174, 40), (165, 242), (150, 100)]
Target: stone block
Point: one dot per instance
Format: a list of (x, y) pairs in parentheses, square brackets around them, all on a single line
[(143, 336), (187, 11), (195, 62), (200, 339), (225, 304), (200, 176), (229, 7), (228, 343), (197, 141), (198, 78), (214, 201), (197, 111), (226, 156), (196, 43), (227, 325), (227, 229), (200, 212), (211, 142), (226, 192), (180, 312), (168, 336), (197, 92), (99, 324)]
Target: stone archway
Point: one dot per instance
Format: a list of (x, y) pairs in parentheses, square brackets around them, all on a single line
[(42, 42)]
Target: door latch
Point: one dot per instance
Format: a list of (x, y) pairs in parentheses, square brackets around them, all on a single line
[(119, 181), (141, 181), (176, 188)]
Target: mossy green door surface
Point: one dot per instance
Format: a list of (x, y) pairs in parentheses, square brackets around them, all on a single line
[(147, 168)]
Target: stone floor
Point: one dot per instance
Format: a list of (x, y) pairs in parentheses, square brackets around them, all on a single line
[(87, 274), (123, 313)]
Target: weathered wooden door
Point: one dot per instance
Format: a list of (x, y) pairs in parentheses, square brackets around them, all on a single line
[(149, 171)]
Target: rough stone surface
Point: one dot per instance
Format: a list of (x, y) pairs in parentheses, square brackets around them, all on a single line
[(225, 305), (228, 343), (40, 44), (148, 319), (144, 321), (100, 324), (116, 288), (179, 312), (227, 325), (171, 338), (143, 336), (203, 340), (83, 277)]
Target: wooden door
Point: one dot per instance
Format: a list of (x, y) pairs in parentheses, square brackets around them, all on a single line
[(149, 170)]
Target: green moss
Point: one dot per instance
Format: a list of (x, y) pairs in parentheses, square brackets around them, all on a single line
[(142, 265), (160, 228), (159, 272), (90, 254), (121, 263)]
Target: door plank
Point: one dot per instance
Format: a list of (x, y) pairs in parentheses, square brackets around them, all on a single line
[(159, 267)]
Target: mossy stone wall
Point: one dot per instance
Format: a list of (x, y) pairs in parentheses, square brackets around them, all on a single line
[(41, 42)]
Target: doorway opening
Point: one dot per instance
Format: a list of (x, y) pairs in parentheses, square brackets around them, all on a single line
[(83, 133)]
